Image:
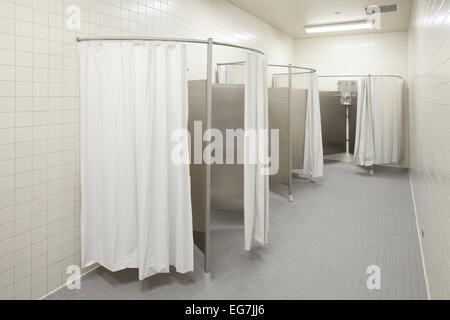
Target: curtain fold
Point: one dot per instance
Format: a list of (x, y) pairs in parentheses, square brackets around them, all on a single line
[(136, 206), (387, 105), (364, 144), (256, 179), (379, 137), (313, 155)]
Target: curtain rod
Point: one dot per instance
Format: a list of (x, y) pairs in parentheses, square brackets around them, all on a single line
[(360, 76), (294, 73), (224, 44), (345, 76), (310, 70)]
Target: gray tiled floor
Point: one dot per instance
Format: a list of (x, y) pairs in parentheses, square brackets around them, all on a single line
[(320, 248)]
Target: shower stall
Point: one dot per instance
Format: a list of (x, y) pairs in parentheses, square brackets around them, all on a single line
[(338, 110), (362, 119), (164, 207), (294, 113)]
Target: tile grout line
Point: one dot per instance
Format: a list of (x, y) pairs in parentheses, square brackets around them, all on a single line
[(65, 284), (47, 182), (15, 151), (60, 154), (419, 237)]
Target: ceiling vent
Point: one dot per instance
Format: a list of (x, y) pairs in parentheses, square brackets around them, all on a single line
[(382, 9)]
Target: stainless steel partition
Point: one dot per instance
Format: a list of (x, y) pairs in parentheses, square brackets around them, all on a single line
[(227, 181), (279, 113), (289, 121), (198, 170), (299, 104), (226, 187), (287, 140)]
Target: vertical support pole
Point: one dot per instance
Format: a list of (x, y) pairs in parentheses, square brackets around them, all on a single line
[(372, 168), (209, 70), (347, 131), (290, 99)]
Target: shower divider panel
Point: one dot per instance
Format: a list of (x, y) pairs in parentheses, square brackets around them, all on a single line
[(226, 182), (279, 111), (287, 162)]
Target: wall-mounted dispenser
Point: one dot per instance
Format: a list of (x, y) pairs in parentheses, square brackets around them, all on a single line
[(348, 89)]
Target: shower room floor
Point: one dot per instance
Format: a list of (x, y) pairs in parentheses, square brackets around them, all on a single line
[(320, 247), (344, 157)]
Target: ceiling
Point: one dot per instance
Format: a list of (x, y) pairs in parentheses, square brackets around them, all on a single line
[(291, 16)]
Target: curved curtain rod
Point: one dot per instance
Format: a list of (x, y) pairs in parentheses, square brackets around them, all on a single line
[(347, 76), (361, 76), (310, 70), (224, 44)]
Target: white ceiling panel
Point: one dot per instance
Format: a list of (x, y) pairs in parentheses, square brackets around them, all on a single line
[(291, 16)]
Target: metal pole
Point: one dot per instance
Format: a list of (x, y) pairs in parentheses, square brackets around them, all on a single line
[(118, 38), (371, 171), (347, 131), (208, 112), (359, 76), (291, 196), (224, 44)]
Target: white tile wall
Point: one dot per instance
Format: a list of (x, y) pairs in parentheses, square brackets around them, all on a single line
[(430, 136), (39, 120), (381, 53)]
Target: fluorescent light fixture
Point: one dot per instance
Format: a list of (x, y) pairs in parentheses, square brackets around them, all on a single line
[(355, 25)]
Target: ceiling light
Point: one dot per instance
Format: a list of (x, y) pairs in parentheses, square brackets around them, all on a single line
[(355, 25)]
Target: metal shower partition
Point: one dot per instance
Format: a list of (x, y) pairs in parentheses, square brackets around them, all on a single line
[(203, 244), (290, 68), (290, 108)]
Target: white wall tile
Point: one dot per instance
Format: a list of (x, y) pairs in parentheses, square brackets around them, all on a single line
[(39, 114), (382, 53), (7, 151), (430, 136), (7, 246), (7, 57), (23, 13), (7, 25), (6, 9)]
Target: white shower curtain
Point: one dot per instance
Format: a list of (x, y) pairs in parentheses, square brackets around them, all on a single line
[(256, 181), (136, 203), (387, 105), (364, 145), (313, 155), (379, 121)]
